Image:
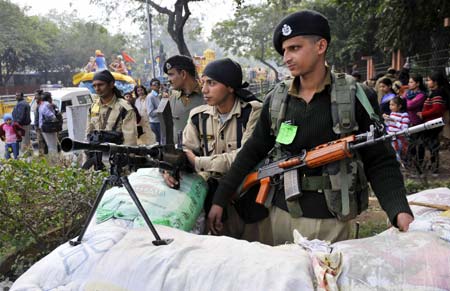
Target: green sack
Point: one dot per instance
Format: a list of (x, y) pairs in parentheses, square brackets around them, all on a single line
[(166, 206)]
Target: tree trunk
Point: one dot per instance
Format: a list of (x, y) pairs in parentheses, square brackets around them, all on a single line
[(261, 58), (1, 74), (177, 20), (271, 67)]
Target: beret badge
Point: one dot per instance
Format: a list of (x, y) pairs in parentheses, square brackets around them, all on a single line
[(168, 66), (286, 30)]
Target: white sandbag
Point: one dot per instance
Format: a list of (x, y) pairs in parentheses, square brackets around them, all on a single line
[(67, 267), (191, 262), (416, 260)]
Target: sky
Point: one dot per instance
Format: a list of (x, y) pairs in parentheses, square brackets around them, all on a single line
[(210, 11)]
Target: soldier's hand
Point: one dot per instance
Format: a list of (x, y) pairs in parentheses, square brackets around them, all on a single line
[(165, 95), (170, 181), (215, 219), (404, 220)]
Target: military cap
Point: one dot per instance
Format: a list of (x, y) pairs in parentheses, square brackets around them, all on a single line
[(181, 63), (225, 71), (305, 22)]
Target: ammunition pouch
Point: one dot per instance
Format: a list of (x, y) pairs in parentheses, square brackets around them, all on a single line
[(105, 136)]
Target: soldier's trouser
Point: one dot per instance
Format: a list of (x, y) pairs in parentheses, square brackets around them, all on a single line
[(329, 229), (235, 227)]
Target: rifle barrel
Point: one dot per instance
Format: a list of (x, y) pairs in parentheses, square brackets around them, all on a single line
[(435, 123)]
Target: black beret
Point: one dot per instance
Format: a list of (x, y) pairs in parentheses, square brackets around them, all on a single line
[(305, 22), (104, 76), (225, 71), (181, 63)]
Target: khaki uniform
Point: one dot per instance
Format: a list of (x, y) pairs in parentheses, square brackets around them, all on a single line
[(98, 119), (222, 150), (181, 104)]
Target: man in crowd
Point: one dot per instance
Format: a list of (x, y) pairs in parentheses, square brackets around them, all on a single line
[(186, 94), (21, 114), (298, 115), (152, 103)]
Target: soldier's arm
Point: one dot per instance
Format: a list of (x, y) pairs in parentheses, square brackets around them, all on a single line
[(221, 163), (129, 129), (191, 137)]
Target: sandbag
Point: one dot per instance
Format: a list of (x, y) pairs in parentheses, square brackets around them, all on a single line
[(164, 205)]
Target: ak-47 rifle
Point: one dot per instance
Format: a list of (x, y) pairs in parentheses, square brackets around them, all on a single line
[(321, 155)]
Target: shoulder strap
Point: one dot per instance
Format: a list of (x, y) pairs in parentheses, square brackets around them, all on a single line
[(242, 122), (121, 116), (364, 100), (205, 132), (278, 103)]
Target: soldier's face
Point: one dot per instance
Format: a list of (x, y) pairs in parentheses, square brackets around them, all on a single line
[(214, 93), (176, 78), (301, 54), (103, 89)]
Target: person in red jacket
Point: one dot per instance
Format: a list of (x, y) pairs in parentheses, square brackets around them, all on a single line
[(434, 107)]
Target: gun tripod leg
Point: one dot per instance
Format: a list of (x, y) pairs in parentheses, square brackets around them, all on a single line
[(102, 191), (138, 204)]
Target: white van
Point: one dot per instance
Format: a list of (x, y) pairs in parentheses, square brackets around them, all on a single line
[(63, 98)]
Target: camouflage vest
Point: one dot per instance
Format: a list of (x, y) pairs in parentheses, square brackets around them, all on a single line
[(343, 183)]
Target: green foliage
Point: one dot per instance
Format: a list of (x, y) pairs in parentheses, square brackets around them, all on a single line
[(42, 206), (62, 43), (249, 33)]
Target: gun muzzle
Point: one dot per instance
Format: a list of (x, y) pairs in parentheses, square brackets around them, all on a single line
[(438, 122)]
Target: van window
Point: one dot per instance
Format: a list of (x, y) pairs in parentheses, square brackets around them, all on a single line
[(65, 104), (84, 99)]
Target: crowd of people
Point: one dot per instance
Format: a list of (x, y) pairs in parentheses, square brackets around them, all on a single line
[(408, 99)]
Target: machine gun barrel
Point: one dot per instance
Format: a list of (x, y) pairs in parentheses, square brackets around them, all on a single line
[(67, 145)]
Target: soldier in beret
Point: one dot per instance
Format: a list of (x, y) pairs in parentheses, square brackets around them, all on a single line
[(187, 94), (304, 121)]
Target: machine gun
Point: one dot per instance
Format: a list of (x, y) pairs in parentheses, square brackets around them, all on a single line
[(321, 155), (164, 156)]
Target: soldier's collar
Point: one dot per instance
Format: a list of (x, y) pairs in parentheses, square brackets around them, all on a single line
[(197, 89), (110, 103), (235, 110), (294, 89)]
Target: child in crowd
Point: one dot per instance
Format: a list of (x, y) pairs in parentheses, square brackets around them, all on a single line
[(11, 133), (397, 121)]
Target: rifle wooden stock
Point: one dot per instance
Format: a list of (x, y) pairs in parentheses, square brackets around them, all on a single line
[(330, 152)]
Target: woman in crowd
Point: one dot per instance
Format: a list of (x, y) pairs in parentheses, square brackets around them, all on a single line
[(385, 86), (434, 107), (47, 112), (145, 134)]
